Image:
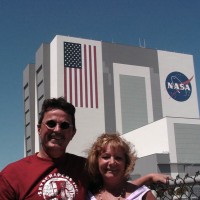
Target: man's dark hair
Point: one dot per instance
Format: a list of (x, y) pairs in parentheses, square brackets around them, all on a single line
[(57, 103)]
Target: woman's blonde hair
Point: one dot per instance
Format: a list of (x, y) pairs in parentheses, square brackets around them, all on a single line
[(99, 146)]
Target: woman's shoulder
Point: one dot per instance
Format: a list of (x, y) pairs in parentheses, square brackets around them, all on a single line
[(135, 191)]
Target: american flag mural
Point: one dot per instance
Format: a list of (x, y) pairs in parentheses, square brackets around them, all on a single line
[(80, 75)]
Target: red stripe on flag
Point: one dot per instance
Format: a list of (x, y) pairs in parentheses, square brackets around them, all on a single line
[(95, 74), (91, 83), (65, 83), (81, 88), (70, 84), (75, 87), (86, 83)]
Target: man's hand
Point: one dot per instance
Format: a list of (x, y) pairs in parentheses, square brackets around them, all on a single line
[(152, 178)]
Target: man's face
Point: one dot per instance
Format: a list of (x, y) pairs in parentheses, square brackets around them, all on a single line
[(55, 132)]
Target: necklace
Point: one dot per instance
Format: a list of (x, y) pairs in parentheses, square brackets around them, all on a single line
[(122, 194)]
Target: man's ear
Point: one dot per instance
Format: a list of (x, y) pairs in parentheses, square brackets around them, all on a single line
[(39, 128)]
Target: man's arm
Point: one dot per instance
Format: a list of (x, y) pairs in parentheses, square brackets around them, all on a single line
[(6, 192), (151, 178)]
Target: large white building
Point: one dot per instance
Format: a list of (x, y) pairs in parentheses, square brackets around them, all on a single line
[(147, 95)]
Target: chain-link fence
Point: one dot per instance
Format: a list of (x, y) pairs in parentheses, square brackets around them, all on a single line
[(187, 187)]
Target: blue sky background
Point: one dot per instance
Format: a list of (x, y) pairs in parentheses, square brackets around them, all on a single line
[(171, 25)]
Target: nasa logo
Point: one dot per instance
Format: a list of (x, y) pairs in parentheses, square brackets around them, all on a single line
[(178, 86)]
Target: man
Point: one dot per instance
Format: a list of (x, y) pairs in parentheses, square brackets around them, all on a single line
[(52, 173)]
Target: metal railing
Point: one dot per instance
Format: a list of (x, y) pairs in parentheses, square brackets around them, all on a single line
[(187, 187)]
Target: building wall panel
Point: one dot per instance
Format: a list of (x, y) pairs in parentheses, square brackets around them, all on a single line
[(187, 138)]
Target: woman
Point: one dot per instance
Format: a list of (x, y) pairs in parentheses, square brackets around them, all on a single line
[(110, 162)]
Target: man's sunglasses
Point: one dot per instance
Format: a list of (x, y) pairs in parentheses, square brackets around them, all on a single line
[(51, 124)]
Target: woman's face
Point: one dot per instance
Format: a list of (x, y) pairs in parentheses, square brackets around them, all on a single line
[(112, 164)]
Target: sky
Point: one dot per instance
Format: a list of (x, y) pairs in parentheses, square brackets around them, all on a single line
[(170, 25)]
